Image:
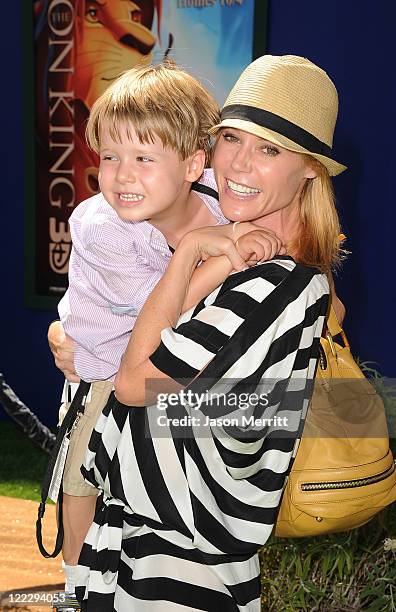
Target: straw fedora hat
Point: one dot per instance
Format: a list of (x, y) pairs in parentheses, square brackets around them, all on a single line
[(289, 101)]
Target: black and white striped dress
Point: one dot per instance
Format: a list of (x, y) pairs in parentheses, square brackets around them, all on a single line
[(184, 509)]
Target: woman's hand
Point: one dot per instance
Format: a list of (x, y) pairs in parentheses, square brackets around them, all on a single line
[(212, 242), (62, 348), (238, 242)]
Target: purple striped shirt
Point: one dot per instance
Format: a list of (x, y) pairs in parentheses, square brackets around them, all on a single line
[(114, 266)]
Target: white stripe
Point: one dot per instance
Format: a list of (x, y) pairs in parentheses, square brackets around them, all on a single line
[(233, 573), (174, 537), (131, 478), (242, 490), (252, 531), (186, 349), (99, 583), (222, 319), (174, 478), (237, 446), (257, 288), (168, 566), (275, 460)]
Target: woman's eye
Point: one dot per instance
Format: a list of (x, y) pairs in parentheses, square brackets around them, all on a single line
[(271, 151), (229, 137)]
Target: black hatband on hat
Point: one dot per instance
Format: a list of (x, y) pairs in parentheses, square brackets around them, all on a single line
[(277, 124)]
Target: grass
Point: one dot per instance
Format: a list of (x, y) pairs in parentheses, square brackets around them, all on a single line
[(22, 464), (346, 572)]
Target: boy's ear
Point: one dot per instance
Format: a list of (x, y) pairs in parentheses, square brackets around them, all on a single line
[(195, 165)]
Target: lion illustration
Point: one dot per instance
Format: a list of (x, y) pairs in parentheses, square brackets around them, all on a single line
[(110, 36)]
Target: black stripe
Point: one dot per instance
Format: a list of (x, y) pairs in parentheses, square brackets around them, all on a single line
[(226, 502), (267, 480), (200, 332), (238, 303), (220, 536), (278, 124), (153, 545), (176, 591), (151, 473), (109, 404), (115, 481), (274, 273), (102, 462), (171, 365), (303, 357), (240, 460), (245, 592)]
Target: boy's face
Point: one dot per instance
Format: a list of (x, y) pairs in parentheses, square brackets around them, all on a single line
[(141, 181)]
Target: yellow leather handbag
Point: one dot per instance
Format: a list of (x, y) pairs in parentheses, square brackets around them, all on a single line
[(344, 471)]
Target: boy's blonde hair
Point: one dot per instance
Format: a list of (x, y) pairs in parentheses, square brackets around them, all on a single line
[(161, 100)]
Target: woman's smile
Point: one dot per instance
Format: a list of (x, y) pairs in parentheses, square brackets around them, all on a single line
[(240, 190)]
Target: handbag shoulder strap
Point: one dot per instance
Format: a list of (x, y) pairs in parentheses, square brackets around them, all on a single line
[(77, 405), (332, 322), (334, 327)]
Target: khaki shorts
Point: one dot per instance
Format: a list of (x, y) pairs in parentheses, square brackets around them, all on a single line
[(73, 481)]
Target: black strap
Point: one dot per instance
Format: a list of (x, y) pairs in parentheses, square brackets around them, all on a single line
[(205, 189), (77, 405)]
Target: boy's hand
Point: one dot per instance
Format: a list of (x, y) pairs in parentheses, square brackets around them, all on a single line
[(259, 245), (212, 242), (62, 347), (229, 240)]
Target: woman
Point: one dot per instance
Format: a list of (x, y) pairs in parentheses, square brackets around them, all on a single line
[(191, 487)]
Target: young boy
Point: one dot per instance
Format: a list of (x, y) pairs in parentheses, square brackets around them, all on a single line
[(150, 129)]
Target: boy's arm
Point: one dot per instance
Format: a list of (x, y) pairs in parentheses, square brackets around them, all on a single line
[(253, 246)]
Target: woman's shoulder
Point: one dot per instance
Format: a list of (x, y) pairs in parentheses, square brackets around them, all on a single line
[(282, 273), (275, 271)]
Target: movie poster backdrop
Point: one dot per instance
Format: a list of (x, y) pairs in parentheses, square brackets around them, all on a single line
[(74, 50)]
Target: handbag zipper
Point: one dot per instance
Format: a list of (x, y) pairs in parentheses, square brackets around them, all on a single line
[(348, 484)]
